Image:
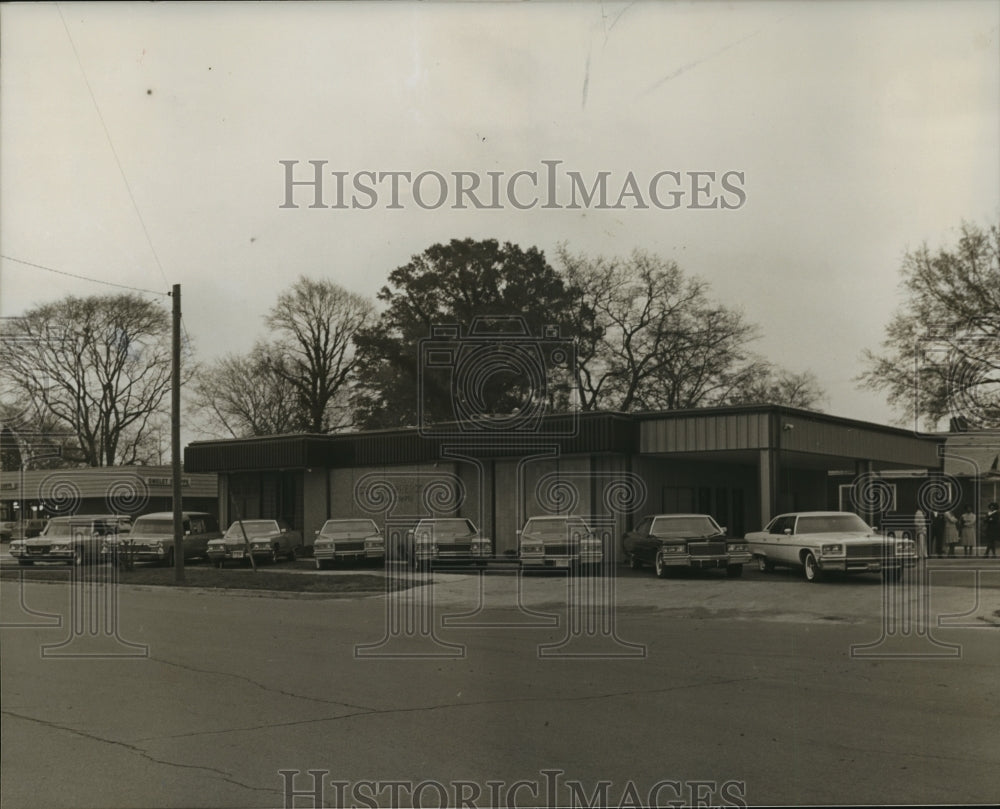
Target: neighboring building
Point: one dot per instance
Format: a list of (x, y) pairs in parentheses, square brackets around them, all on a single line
[(742, 465), (130, 490)]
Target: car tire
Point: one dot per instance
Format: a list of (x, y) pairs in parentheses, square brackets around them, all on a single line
[(293, 553), (734, 571), (26, 562), (661, 569), (633, 562), (220, 564), (811, 568), (765, 565), (274, 555), (322, 564), (170, 558)]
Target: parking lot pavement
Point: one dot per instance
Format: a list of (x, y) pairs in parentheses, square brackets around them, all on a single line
[(233, 689)]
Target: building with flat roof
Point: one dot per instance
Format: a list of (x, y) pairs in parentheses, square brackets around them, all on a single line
[(742, 465), (133, 490)]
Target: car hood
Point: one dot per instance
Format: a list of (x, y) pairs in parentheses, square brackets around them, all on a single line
[(251, 538), (42, 540), (338, 535)]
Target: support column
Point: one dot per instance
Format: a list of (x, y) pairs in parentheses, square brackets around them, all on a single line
[(767, 483)]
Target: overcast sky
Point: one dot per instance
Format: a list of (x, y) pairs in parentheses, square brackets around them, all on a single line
[(141, 145)]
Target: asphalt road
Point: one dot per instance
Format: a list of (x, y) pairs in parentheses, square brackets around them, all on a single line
[(761, 690)]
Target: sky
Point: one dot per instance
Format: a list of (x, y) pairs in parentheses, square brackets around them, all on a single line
[(142, 145)]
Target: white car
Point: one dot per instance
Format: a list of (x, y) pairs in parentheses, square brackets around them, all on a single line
[(347, 539), (560, 541), (820, 541)]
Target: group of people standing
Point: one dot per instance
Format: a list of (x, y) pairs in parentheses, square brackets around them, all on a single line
[(948, 531)]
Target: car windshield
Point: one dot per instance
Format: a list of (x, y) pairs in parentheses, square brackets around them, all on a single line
[(154, 527), (684, 526), (253, 528), (555, 529), (831, 523), (348, 528), (451, 529), (68, 529)]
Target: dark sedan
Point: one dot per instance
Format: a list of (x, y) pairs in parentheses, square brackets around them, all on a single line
[(668, 542)]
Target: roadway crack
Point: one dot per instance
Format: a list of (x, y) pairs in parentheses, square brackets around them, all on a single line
[(261, 686), (447, 706), (225, 776)]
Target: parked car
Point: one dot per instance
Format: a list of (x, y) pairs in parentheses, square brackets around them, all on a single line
[(674, 541), (30, 528), (347, 539), (75, 540), (446, 539), (822, 541), (264, 539), (152, 538), (557, 542)]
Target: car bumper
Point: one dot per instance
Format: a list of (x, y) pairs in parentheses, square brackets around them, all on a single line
[(451, 556), (47, 556), (135, 555), (218, 554), (716, 560), (330, 554), (865, 565), (544, 561)]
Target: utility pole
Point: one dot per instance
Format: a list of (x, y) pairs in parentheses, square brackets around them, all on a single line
[(175, 437)]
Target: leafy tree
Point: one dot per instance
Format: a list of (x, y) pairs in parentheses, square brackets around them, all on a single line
[(941, 354), (97, 367), (477, 286)]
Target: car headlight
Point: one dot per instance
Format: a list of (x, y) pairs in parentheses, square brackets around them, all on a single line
[(532, 547), (673, 549), (374, 543), (737, 547), (260, 546), (60, 546), (832, 549)]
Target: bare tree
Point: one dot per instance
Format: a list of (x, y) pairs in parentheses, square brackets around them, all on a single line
[(657, 342), (244, 395), (770, 385), (941, 353), (315, 323), (98, 367)]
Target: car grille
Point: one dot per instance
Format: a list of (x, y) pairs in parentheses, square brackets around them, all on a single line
[(38, 550), (350, 546), (463, 547), (706, 548), (870, 550), (560, 549)]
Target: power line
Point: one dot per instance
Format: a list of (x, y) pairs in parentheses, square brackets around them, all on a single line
[(111, 144), (83, 277)]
